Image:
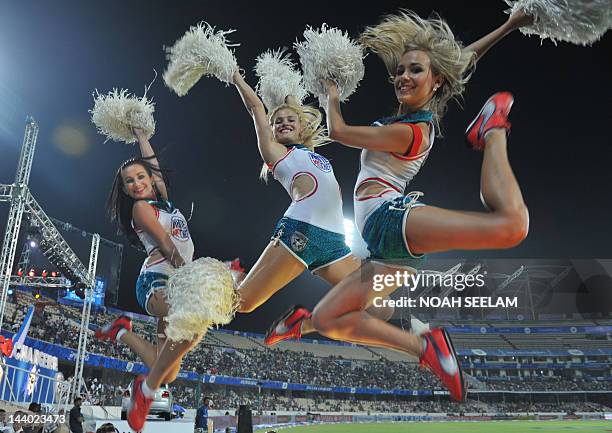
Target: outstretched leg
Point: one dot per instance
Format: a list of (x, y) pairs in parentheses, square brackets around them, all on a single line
[(275, 268), (120, 329), (297, 321), (334, 274), (164, 369), (341, 313), (430, 229), (146, 350)]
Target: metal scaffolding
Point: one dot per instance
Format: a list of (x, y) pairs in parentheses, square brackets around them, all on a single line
[(18, 196), (53, 246), (81, 353)]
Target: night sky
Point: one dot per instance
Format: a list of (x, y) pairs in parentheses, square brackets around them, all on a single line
[(54, 54)]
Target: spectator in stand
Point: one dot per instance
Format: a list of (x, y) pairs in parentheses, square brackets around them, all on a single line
[(76, 417), (4, 427), (201, 421), (107, 428), (36, 409), (18, 422), (58, 425)]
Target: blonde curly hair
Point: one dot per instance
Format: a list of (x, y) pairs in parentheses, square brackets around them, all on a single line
[(406, 31), (312, 135)]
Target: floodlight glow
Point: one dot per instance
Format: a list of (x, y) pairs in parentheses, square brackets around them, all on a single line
[(349, 232)]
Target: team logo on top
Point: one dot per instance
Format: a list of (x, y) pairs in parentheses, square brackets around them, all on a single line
[(179, 229), (320, 162)]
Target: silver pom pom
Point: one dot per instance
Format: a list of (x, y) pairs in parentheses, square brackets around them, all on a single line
[(201, 294), (331, 54), (116, 113), (278, 78), (201, 51), (580, 22)]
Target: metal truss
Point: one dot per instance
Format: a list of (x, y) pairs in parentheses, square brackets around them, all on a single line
[(67, 227), (85, 315), (17, 193), (6, 192), (52, 245), (51, 282)]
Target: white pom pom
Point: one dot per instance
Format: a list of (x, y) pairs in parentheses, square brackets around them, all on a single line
[(201, 294), (329, 53), (580, 22), (278, 78), (116, 113), (201, 51)]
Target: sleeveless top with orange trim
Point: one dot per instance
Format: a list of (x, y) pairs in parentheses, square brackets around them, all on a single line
[(391, 170)]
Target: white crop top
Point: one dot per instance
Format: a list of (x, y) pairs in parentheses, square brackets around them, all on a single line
[(175, 225), (322, 206)]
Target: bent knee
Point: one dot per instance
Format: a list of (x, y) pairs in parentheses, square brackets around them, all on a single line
[(515, 228), (171, 377), (322, 323), (246, 306), (383, 313)]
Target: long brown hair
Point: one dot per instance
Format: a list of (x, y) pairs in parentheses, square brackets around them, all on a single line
[(119, 205)]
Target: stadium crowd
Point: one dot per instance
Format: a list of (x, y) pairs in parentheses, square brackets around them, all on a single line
[(230, 398), (59, 324)]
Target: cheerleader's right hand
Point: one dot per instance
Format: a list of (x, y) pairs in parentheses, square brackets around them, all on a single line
[(331, 88), (519, 19), (139, 133), (236, 77)]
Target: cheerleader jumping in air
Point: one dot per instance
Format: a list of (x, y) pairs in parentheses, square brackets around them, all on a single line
[(394, 150), (139, 203), (310, 235)]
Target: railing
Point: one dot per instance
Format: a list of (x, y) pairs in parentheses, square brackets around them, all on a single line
[(19, 385)]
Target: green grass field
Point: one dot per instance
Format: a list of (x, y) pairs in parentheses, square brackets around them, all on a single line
[(463, 427)]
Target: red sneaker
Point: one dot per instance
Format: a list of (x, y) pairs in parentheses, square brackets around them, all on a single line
[(288, 326), (440, 358), (494, 114), (109, 331), (139, 405), (6, 346)]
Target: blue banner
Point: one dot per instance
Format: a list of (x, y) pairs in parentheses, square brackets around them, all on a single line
[(599, 330), (93, 360), (548, 366), (539, 353), (238, 381), (24, 385)]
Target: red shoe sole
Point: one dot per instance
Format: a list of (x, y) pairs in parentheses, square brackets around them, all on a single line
[(451, 348), (475, 132), (268, 340)]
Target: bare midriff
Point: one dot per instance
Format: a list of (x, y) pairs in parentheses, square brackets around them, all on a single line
[(155, 256), (370, 188), (302, 186)]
